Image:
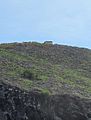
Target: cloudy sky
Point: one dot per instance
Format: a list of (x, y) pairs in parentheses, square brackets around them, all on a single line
[(63, 21)]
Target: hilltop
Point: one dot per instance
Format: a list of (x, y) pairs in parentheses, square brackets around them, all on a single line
[(51, 68)]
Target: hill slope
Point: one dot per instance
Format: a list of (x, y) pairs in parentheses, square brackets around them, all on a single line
[(53, 69)]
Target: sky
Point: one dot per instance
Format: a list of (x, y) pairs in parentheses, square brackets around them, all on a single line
[(62, 21)]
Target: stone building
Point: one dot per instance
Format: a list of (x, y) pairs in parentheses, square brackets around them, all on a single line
[(48, 42)]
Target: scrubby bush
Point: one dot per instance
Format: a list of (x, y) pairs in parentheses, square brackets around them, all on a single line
[(29, 75)]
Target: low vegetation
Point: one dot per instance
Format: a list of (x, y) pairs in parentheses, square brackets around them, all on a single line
[(54, 68)]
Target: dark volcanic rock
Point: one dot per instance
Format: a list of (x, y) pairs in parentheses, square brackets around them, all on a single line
[(16, 104)]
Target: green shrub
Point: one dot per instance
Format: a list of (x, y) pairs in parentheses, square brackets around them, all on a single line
[(45, 91), (29, 75)]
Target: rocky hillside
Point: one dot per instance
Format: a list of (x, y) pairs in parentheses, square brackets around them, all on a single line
[(44, 82), (55, 69)]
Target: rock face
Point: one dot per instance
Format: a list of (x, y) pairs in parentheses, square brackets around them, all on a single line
[(16, 104)]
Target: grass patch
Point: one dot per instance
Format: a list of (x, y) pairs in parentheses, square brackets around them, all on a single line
[(45, 91), (24, 83)]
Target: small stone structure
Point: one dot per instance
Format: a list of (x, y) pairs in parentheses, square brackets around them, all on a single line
[(48, 42)]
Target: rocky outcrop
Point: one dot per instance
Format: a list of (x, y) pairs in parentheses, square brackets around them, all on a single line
[(16, 104)]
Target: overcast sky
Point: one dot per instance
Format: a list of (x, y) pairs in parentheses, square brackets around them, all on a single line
[(63, 21)]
